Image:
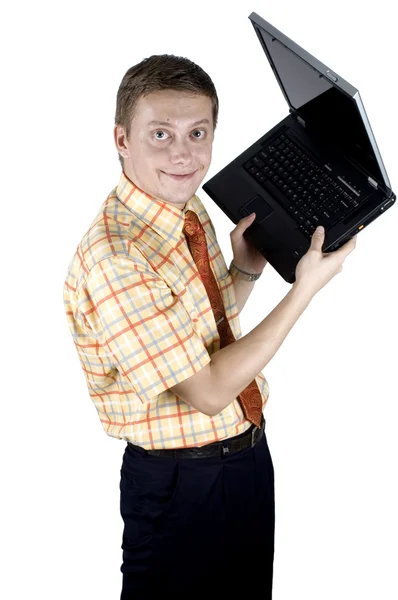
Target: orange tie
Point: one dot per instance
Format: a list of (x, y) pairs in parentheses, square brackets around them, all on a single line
[(250, 398)]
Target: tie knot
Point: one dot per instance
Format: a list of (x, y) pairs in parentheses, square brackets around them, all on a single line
[(192, 224)]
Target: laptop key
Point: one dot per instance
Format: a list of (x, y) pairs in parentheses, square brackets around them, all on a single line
[(258, 162), (327, 217), (259, 176), (304, 230), (315, 219), (344, 204)]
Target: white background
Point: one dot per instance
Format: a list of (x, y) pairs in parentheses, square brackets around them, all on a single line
[(332, 412)]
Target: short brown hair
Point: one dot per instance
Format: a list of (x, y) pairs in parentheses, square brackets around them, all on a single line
[(161, 72)]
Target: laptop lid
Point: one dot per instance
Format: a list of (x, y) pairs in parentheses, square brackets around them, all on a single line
[(322, 101)]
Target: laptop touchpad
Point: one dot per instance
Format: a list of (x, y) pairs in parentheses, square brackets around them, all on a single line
[(259, 206)]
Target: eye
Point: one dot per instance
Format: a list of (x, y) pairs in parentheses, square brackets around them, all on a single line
[(199, 133), (161, 135)]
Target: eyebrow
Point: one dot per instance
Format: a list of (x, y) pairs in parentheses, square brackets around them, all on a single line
[(165, 124)]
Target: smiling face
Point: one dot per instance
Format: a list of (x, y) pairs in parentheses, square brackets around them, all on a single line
[(168, 151)]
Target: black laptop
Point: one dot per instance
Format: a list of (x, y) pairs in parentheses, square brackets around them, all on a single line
[(318, 166)]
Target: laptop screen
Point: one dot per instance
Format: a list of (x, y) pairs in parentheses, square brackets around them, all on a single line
[(329, 113)]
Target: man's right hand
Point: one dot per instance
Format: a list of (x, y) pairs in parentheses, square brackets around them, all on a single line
[(316, 268)]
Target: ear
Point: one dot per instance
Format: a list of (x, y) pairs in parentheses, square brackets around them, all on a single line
[(120, 141)]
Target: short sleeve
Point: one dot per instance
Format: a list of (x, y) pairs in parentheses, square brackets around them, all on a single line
[(144, 327)]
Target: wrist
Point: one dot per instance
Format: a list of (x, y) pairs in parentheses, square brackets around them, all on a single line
[(302, 291), (241, 274)]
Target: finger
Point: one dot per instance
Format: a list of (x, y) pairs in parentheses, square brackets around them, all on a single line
[(318, 237), (244, 224), (247, 220), (348, 247)]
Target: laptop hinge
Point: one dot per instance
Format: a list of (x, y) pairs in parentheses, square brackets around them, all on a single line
[(373, 183), (301, 121)]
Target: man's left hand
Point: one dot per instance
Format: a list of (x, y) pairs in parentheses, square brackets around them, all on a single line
[(246, 256)]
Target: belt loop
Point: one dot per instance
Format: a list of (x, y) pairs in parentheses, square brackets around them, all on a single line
[(253, 434)]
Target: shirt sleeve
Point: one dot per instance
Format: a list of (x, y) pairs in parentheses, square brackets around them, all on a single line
[(145, 328)]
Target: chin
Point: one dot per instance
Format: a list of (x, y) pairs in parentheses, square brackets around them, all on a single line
[(180, 196)]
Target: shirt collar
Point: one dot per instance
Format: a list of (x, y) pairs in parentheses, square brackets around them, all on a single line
[(164, 218)]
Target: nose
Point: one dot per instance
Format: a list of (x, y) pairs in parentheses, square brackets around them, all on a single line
[(180, 151)]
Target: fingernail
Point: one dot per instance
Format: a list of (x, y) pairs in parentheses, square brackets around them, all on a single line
[(321, 229), (252, 215)]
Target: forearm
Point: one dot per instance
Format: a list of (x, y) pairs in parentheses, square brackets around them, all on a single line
[(232, 368), (243, 289)]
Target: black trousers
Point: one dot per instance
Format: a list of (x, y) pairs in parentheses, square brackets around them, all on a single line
[(195, 528)]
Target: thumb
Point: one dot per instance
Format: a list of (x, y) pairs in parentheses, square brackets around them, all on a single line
[(246, 221), (242, 225), (318, 237)]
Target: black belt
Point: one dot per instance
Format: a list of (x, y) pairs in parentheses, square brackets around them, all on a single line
[(217, 449)]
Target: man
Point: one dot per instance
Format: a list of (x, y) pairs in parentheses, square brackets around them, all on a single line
[(154, 312)]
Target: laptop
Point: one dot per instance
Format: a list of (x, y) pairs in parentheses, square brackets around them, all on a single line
[(320, 165)]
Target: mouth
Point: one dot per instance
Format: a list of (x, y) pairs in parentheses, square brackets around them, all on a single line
[(178, 177)]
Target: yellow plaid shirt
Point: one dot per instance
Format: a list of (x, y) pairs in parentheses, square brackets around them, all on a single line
[(142, 322)]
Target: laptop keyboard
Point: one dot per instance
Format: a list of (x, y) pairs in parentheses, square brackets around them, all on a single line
[(304, 189)]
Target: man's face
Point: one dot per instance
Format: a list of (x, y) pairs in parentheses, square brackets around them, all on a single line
[(168, 152)]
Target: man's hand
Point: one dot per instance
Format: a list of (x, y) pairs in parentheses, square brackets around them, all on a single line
[(316, 269), (245, 255)]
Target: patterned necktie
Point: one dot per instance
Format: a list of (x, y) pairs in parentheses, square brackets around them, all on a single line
[(250, 397)]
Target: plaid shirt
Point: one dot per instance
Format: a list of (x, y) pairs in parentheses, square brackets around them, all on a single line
[(142, 322)]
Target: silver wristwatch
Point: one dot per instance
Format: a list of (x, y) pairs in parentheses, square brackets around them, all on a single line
[(243, 274)]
